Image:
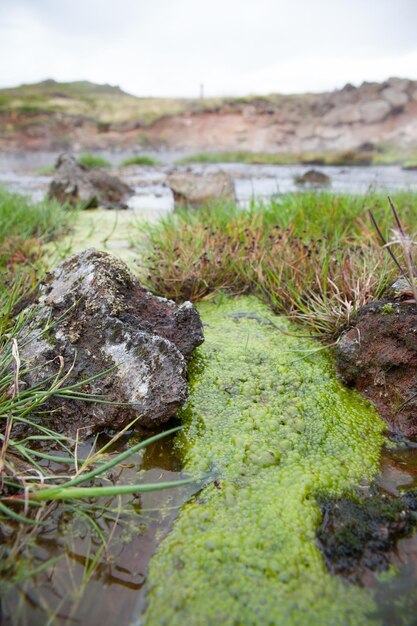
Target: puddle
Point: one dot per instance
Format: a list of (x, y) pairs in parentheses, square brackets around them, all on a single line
[(65, 592)]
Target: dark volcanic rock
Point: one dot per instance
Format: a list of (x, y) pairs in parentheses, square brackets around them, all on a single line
[(73, 183), (100, 317), (314, 178), (378, 356), (357, 534)]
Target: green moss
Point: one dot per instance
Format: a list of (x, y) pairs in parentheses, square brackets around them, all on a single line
[(387, 309), (267, 417)]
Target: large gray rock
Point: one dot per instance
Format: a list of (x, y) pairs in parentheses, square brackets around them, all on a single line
[(100, 317), (75, 184), (198, 190)]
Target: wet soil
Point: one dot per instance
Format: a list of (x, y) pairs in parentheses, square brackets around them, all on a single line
[(358, 533), (378, 356)]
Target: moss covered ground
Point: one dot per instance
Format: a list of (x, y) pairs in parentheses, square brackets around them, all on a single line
[(269, 422)]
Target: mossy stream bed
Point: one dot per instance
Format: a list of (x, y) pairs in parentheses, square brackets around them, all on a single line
[(270, 430), (269, 419)]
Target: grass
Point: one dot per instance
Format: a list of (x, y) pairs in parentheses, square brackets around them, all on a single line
[(93, 160), (45, 170), (314, 257), (345, 158), (25, 227), (22, 218), (240, 157), (140, 159)]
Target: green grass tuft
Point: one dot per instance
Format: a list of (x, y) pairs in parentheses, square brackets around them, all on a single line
[(140, 159), (45, 170), (314, 257), (93, 160), (24, 225)]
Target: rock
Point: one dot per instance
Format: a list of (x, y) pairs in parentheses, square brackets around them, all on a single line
[(100, 317), (342, 115), (399, 84), (313, 178), (378, 356), (73, 183), (411, 166), (197, 190), (375, 111), (394, 97), (305, 131)]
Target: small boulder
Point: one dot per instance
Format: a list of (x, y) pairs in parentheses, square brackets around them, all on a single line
[(197, 190), (100, 318), (73, 183), (313, 178)]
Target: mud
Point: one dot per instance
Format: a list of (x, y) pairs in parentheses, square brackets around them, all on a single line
[(358, 533), (378, 356)]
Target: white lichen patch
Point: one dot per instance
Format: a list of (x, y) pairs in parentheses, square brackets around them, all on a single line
[(134, 372), (80, 279)]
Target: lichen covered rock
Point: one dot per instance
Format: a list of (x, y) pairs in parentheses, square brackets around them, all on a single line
[(272, 425), (100, 318)]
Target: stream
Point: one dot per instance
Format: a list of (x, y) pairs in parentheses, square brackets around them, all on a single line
[(80, 581), (152, 196)]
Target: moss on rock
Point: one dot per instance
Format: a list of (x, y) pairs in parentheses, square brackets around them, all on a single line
[(267, 416)]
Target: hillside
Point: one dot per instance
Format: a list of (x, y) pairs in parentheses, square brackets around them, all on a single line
[(379, 118)]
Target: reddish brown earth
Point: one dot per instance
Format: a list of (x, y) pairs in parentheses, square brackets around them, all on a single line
[(378, 356), (366, 117)]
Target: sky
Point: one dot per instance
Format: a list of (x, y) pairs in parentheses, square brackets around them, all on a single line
[(232, 47)]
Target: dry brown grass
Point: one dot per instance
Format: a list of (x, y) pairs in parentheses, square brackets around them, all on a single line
[(320, 281)]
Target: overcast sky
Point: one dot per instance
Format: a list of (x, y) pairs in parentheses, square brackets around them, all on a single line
[(233, 47)]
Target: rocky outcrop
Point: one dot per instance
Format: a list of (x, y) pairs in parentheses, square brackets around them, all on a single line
[(382, 113), (197, 190), (378, 356), (104, 327), (77, 185)]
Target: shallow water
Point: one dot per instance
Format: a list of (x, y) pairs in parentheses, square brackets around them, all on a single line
[(64, 593), (153, 197)]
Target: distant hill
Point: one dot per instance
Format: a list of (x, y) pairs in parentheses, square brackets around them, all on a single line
[(373, 119), (104, 103)]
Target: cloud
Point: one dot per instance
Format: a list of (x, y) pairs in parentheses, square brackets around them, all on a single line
[(168, 47)]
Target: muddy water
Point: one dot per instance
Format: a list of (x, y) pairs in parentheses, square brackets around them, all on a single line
[(153, 197), (73, 589), (396, 596)]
